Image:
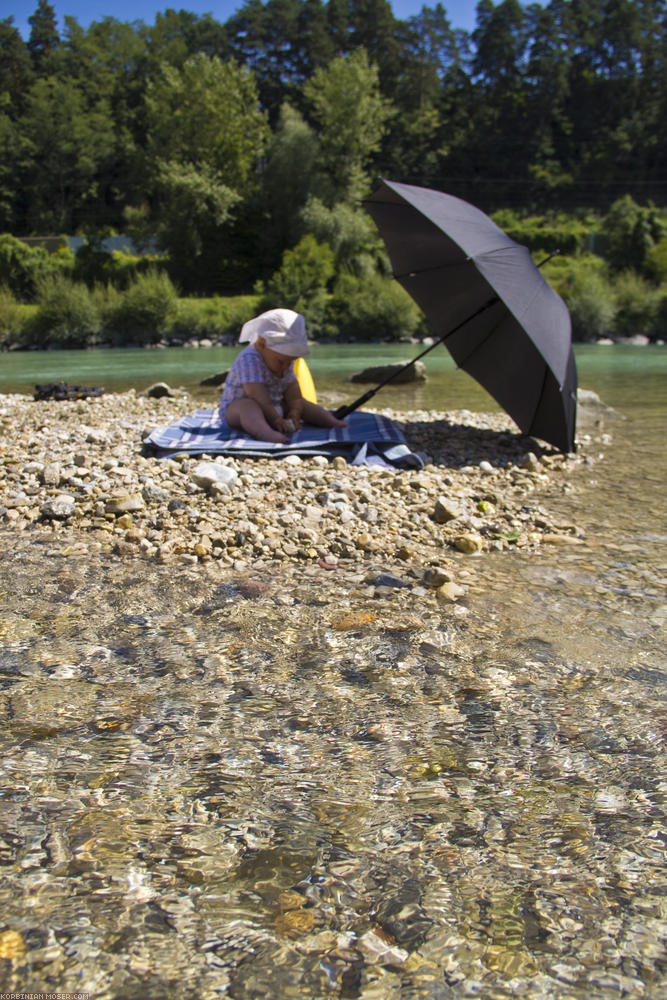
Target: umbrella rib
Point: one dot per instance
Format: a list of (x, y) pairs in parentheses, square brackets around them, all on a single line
[(468, 258), (487, 305), (421, 270), (539, 399)]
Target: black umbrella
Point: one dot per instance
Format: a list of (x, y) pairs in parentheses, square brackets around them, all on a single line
[(486, 301)]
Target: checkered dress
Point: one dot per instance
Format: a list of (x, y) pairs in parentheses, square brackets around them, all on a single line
[(249, 366)]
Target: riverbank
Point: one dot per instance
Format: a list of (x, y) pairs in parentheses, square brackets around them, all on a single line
[(76, 471)]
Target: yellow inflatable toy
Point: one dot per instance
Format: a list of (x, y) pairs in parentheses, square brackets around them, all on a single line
[(305, 380)]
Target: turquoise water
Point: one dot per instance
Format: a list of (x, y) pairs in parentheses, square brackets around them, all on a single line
[(613, 371)]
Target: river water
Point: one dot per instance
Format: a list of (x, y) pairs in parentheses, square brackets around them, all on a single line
[(285, 788)]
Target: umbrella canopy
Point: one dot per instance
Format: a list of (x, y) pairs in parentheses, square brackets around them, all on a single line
[(508, 328)]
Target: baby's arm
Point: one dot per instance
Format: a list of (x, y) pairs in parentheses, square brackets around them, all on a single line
[(294, 404)]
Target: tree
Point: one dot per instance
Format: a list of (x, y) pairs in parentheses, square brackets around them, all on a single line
[(177, 35), (15, 68), (264, 36), (206, 133), (289, 177), (15, 80), (631, 232), (301, 281), (351, 234), (374, 29), (44, 39), (430, 51), (108, 61), (547, 83), (9, 164), (351, 116), (65, 145)]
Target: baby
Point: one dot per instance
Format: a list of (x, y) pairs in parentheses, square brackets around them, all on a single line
[(261, 394)]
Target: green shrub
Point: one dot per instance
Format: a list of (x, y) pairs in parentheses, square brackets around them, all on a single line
[(349, 231), (661, 315), (559, 272), (143, 312), (631, 231), (212, 318), (10, 317), (304, 271), (592, 305), (375, 308), (637, 305), (94, 266), (22, 267), (656, 261), (543, 234), (301, 282), (66, 316)]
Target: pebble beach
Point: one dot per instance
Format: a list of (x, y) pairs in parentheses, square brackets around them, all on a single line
[(78, 472)]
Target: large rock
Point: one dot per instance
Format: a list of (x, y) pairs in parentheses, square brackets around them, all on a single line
[(210, 474), (469, 543), (217, 379), (416, 372), (590, 399), (60, 508), (158, 390), (446, 510)]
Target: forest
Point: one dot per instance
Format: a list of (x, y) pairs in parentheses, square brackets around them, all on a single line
[(236, 157)]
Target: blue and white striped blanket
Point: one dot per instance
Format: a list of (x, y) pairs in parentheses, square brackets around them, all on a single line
[(370, 439)]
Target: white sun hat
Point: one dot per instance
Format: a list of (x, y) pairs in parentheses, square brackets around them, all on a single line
[(283, 330)]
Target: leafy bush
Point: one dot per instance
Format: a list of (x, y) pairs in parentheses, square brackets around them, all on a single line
[(592, 305), (350, 233), (215, 317), (94, 265), (570, 234), (301, 282), (67, 314), (656, 261), (141, 314), (661, 316), (23, 268), (559, 272), (10, 317), (637, 305), (375, 308), (631, 231)]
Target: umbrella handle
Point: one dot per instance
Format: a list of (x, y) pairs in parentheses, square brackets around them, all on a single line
[(553, 254), (344, 411)]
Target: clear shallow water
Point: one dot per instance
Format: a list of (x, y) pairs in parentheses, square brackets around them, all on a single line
[(251, 786)]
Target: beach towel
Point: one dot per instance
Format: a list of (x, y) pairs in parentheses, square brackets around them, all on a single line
[(370, 439)]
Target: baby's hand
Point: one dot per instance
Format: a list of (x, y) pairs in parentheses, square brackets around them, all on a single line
[(284, 425)]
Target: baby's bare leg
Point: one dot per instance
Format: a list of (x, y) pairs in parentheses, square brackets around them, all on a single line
[(247, 415), (316, 415)]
